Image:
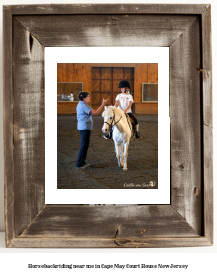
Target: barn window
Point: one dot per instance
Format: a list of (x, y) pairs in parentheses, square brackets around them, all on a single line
[(69, 91), (149, 92)]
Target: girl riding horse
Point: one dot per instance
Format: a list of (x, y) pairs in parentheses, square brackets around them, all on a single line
[(124, 102)]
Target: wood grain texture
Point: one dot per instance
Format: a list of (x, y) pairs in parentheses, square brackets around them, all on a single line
[(107, 30), (162, 242), (106, 9), (207, 123), (8, 125), (188, 221), (107, 221), (153, 73), (208, 182), (206, 68), (146, 108), (66, 107), (185, 111), (29, 130)]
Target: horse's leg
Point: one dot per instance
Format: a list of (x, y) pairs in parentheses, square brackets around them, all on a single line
[(125, 155), (122, 155), (118, 153)]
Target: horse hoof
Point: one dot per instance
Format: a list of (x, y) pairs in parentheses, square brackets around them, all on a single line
[(125, 169)]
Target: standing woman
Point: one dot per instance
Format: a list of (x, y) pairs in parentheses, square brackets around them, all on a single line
[(85, 125)]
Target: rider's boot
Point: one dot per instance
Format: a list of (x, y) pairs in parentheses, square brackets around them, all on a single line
[(108, 136), (137, 132)]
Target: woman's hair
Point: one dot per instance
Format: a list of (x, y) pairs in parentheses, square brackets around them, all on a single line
[(83, 95)]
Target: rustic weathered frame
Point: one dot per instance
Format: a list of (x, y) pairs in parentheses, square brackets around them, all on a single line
[(186, 29)]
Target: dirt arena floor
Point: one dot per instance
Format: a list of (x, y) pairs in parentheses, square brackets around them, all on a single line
[(142, 165)]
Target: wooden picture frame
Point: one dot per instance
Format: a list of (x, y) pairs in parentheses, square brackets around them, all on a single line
[(186, 30)]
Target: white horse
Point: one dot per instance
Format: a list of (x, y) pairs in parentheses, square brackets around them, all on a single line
[(122, 127)]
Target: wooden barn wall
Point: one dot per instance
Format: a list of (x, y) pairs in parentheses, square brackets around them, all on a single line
[(143, 73)]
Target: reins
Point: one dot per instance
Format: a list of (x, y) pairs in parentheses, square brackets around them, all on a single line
[(132, 133), (110, 125), (127, 117), (113, 118)]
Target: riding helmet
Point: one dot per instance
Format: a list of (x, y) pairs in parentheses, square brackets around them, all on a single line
[(124, 83)]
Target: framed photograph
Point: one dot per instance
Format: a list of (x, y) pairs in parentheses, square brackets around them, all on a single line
[(181, 38), (148, 161)]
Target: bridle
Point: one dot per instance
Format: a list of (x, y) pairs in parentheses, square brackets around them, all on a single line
[(113, 119)]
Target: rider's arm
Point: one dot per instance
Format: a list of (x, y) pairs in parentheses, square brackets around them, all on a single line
[(99, 109), (116, 103), (129, 106)]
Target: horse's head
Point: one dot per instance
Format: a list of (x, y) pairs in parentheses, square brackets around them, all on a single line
[(108, 116)]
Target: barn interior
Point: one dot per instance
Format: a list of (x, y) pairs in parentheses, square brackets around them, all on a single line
[(101, 81)]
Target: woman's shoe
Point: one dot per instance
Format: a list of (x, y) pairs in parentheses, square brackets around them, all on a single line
[(80, 167)]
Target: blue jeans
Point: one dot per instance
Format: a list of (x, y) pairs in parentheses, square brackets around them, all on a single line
[(84, 145)]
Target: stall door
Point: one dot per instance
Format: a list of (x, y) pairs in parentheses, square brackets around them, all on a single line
[(105, 81)]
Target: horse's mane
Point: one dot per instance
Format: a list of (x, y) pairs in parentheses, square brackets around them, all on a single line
[(109, 110)]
